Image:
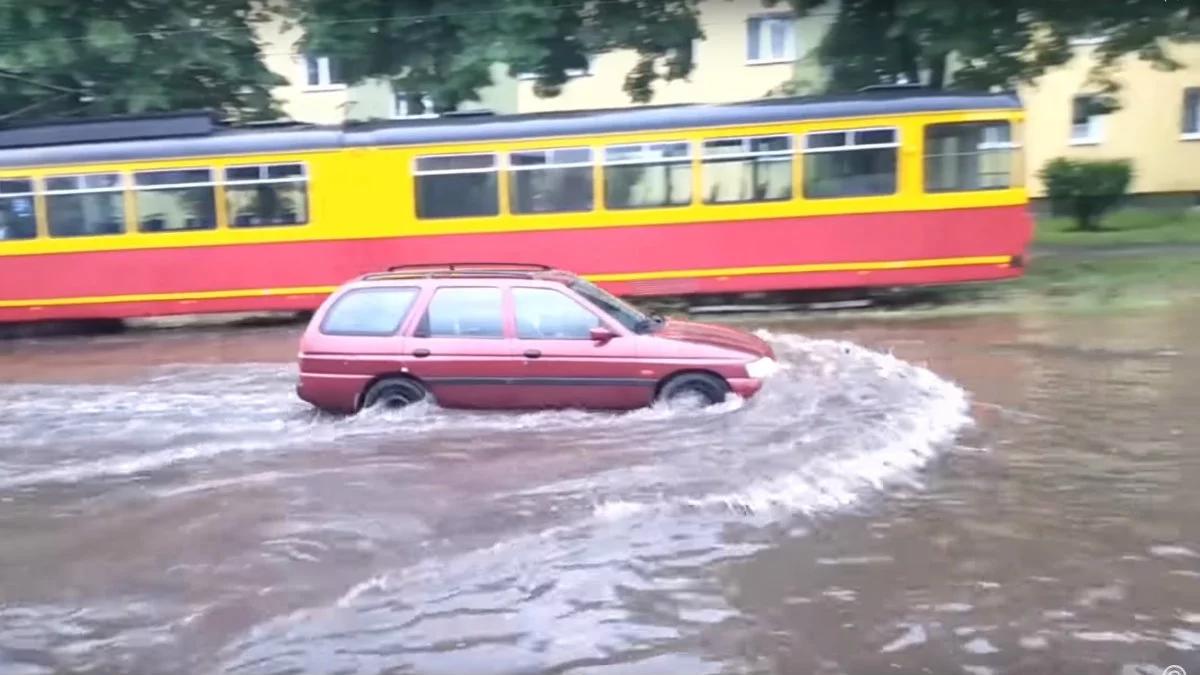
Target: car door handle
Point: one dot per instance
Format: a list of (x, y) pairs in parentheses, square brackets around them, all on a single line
[(532, 353), (421, 353)]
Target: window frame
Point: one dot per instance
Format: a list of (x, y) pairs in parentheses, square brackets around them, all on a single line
[(304, 178), (506, 314), (496, 169), (324, 74), (763, 36), (1011, 145), (32, 194), (896, 144), (1191, 98), (414, 291), (600, 317), (425, 97), (571, 73), (45, 193), (211, 183), (1095, 125), (689, 159), (508, 166), (417, 171), (750, 155)]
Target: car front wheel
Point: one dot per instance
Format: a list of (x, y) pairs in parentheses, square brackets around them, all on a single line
[(694, 389), (394, 393)]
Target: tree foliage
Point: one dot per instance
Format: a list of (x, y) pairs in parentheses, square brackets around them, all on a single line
[(446, 47), (71, 58), (985, 43)]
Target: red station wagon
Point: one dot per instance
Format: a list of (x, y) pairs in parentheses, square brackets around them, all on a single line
[(512, 336)]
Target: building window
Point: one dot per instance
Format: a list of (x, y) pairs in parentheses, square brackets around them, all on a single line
[(747, 169), (178, 199), (771, 38), (18, 219), (856, 163), (545, 314), (369, 311), (267, 195), (87, 205), (1191, 112), (321, 72), (463, 313), (647, 176), (457, 186), (570, 72), (1087, 127), (970, 156), (410, 104), (551, 181)]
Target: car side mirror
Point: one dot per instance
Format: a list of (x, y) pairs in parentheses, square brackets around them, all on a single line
[(601, 334)]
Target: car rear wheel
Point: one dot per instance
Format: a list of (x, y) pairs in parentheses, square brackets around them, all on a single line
[(394, 393), (694, 389)]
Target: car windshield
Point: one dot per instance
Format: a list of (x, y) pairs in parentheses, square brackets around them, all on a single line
[(618, 309)]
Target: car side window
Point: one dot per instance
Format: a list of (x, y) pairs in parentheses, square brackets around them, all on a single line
[(369, 311), (463, 313), (546, 314)]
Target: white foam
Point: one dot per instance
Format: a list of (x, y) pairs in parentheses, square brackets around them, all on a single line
[(913, 636)]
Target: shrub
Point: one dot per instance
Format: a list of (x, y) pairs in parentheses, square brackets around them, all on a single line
[(1086, 189)]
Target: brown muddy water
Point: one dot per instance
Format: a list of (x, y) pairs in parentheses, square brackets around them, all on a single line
[(992, 494)]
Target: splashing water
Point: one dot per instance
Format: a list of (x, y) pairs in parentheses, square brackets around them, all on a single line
[(563, 513), (837, 424)]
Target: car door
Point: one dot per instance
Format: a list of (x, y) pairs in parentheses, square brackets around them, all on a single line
[(461, 349), (563, 366)]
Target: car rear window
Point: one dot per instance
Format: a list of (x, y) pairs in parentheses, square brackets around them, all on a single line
[(369, 311)]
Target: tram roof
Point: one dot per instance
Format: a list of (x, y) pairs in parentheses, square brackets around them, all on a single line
[(178, 135)]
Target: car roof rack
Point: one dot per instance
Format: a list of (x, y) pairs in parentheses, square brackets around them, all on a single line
[(896, 86), (472, 267), (460, 270)]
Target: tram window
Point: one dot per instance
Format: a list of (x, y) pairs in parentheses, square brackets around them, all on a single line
[(647, 176), (456, 186), (267, 195), (18, 220), (175, 199), (551, 181), (853, 163), (86, 205), (369, 311), (747, 169), (970, 156)]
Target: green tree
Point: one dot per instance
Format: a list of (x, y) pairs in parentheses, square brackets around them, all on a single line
[(985, 43), (445, 47), (71, 58)]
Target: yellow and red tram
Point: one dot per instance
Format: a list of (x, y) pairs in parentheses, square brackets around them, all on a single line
[(175, 214)]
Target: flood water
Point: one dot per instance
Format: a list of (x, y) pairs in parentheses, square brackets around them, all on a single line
[(994, 494)]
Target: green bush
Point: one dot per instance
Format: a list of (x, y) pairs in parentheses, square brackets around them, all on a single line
[(1086, 189)]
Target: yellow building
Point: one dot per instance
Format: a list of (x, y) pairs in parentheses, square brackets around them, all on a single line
[(747, 51), (1157, 126), (317, 93)]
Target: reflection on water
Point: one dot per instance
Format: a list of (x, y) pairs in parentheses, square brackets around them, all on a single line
[(992, 494)]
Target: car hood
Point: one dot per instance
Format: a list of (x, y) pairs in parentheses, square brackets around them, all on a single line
[(720, 336)]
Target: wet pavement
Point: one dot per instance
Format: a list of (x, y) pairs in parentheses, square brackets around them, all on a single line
[(991, 494)]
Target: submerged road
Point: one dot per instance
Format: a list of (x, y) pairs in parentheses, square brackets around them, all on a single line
[(978, 495)]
